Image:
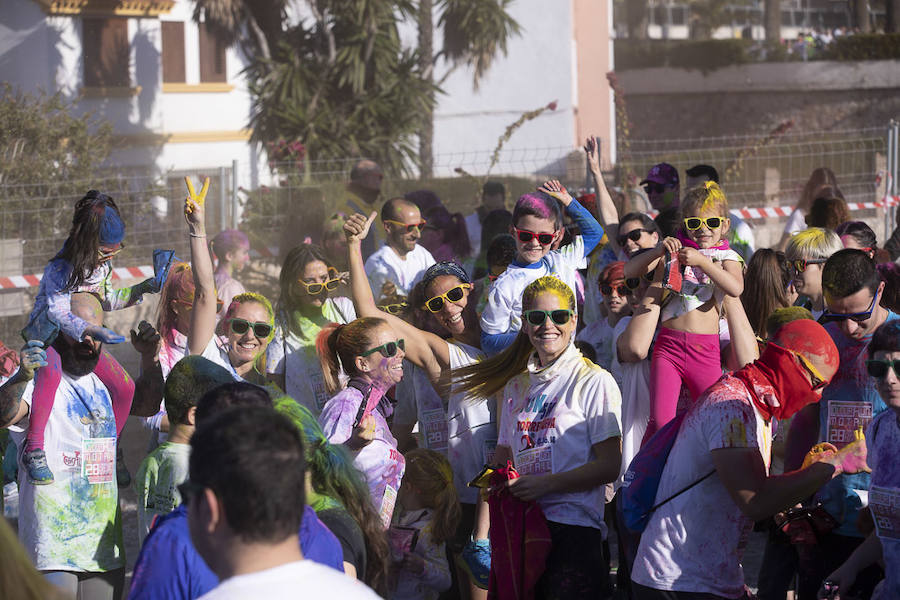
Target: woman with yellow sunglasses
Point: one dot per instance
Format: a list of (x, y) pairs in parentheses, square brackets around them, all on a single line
[(469, 422), (307, 302)]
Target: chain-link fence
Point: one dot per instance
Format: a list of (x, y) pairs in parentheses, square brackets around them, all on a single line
[(283, 207)]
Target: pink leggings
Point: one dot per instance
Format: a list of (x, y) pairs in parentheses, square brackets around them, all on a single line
[(680, 357), (46, 380)]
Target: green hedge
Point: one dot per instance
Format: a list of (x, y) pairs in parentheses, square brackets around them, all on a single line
[(865, 46), (709, 55)]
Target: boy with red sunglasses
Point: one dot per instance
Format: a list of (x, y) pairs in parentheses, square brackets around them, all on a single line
[(536, 226)]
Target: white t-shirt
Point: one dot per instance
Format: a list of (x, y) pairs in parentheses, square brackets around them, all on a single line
[(300, 579), (634, 378), (796, 222), (550, 419), (473, 228), (600, 336), (503, 312), (71, 524), (883, 443), (694, 543), (386, 265), (295, 356), (418, 402), (472, 427), (217, 351)]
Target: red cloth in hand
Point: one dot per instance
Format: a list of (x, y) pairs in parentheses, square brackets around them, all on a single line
[(520, 541)]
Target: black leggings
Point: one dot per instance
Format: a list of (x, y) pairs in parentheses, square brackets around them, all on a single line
[(576, 567)]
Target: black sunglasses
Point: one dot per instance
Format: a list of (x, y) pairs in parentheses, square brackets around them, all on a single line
[(859, 317), (621, 290), (240, 327), (632, 283), (879, 368), (525, 236), (538, 317), (388, 350), (634, 235), (652, 187)]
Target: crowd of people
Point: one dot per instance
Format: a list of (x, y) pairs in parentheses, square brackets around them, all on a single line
[(449, 406)]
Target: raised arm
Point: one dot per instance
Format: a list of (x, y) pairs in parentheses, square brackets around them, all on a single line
[(148, 388), (634, 343), (203, 315), (423, 349), (12, 408), (609, 216), (591, 231), (744, 348)]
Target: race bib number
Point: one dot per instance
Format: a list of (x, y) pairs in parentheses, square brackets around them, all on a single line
[(844, 418), (885, 506), (317, 383), (535, 461), (387, 505), (488, 451), (98, 460), (434, 430)]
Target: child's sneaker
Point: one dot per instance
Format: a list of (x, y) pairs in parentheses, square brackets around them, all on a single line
[(123, 477), (36, 465), (475, 560)]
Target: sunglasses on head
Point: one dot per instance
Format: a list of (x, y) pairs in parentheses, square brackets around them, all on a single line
[(537, 317), (800, 264), (634, 235), (879, 368), (240, 327), (103, 254), (859, 317), (525, 236), (388, 350), (454, 294), (621, 290), (394, 308), (314, 289), (409, 227), (694, 223), (817, 381)]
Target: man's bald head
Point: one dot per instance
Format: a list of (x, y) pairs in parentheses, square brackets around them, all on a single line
[(366, 174), (87, 307), (394, 208)]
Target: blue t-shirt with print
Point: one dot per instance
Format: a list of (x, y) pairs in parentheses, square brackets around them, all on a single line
[(851, 400)]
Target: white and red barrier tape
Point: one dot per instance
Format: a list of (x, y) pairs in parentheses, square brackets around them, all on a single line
[(26, 281), (785, 211)]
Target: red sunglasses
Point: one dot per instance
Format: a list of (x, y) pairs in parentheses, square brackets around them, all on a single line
[(525, 236)]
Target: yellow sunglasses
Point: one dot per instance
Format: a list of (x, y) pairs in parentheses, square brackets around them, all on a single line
[(454, 294)]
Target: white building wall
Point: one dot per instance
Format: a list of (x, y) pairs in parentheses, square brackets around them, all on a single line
[(539, 68)]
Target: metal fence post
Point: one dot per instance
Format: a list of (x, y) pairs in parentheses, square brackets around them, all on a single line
[(234, 194), (223, 222), (888, 171)]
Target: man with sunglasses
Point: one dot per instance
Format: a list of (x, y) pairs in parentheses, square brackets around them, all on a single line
[(662, 188), (401, 261), (616, 301), (852, 291)]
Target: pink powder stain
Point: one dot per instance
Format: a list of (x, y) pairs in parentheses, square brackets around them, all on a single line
[(536, 204)]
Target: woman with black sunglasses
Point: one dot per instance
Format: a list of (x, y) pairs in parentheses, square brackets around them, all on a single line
[(305, 306), (369, 351), (807, 252), (238, 342), (559, 425), (883, 444)]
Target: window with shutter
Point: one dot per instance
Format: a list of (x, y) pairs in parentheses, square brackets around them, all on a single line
[(212, 56), (173, 69), (106, 52)]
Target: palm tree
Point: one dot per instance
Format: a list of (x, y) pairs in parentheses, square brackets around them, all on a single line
[(342, 82)]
